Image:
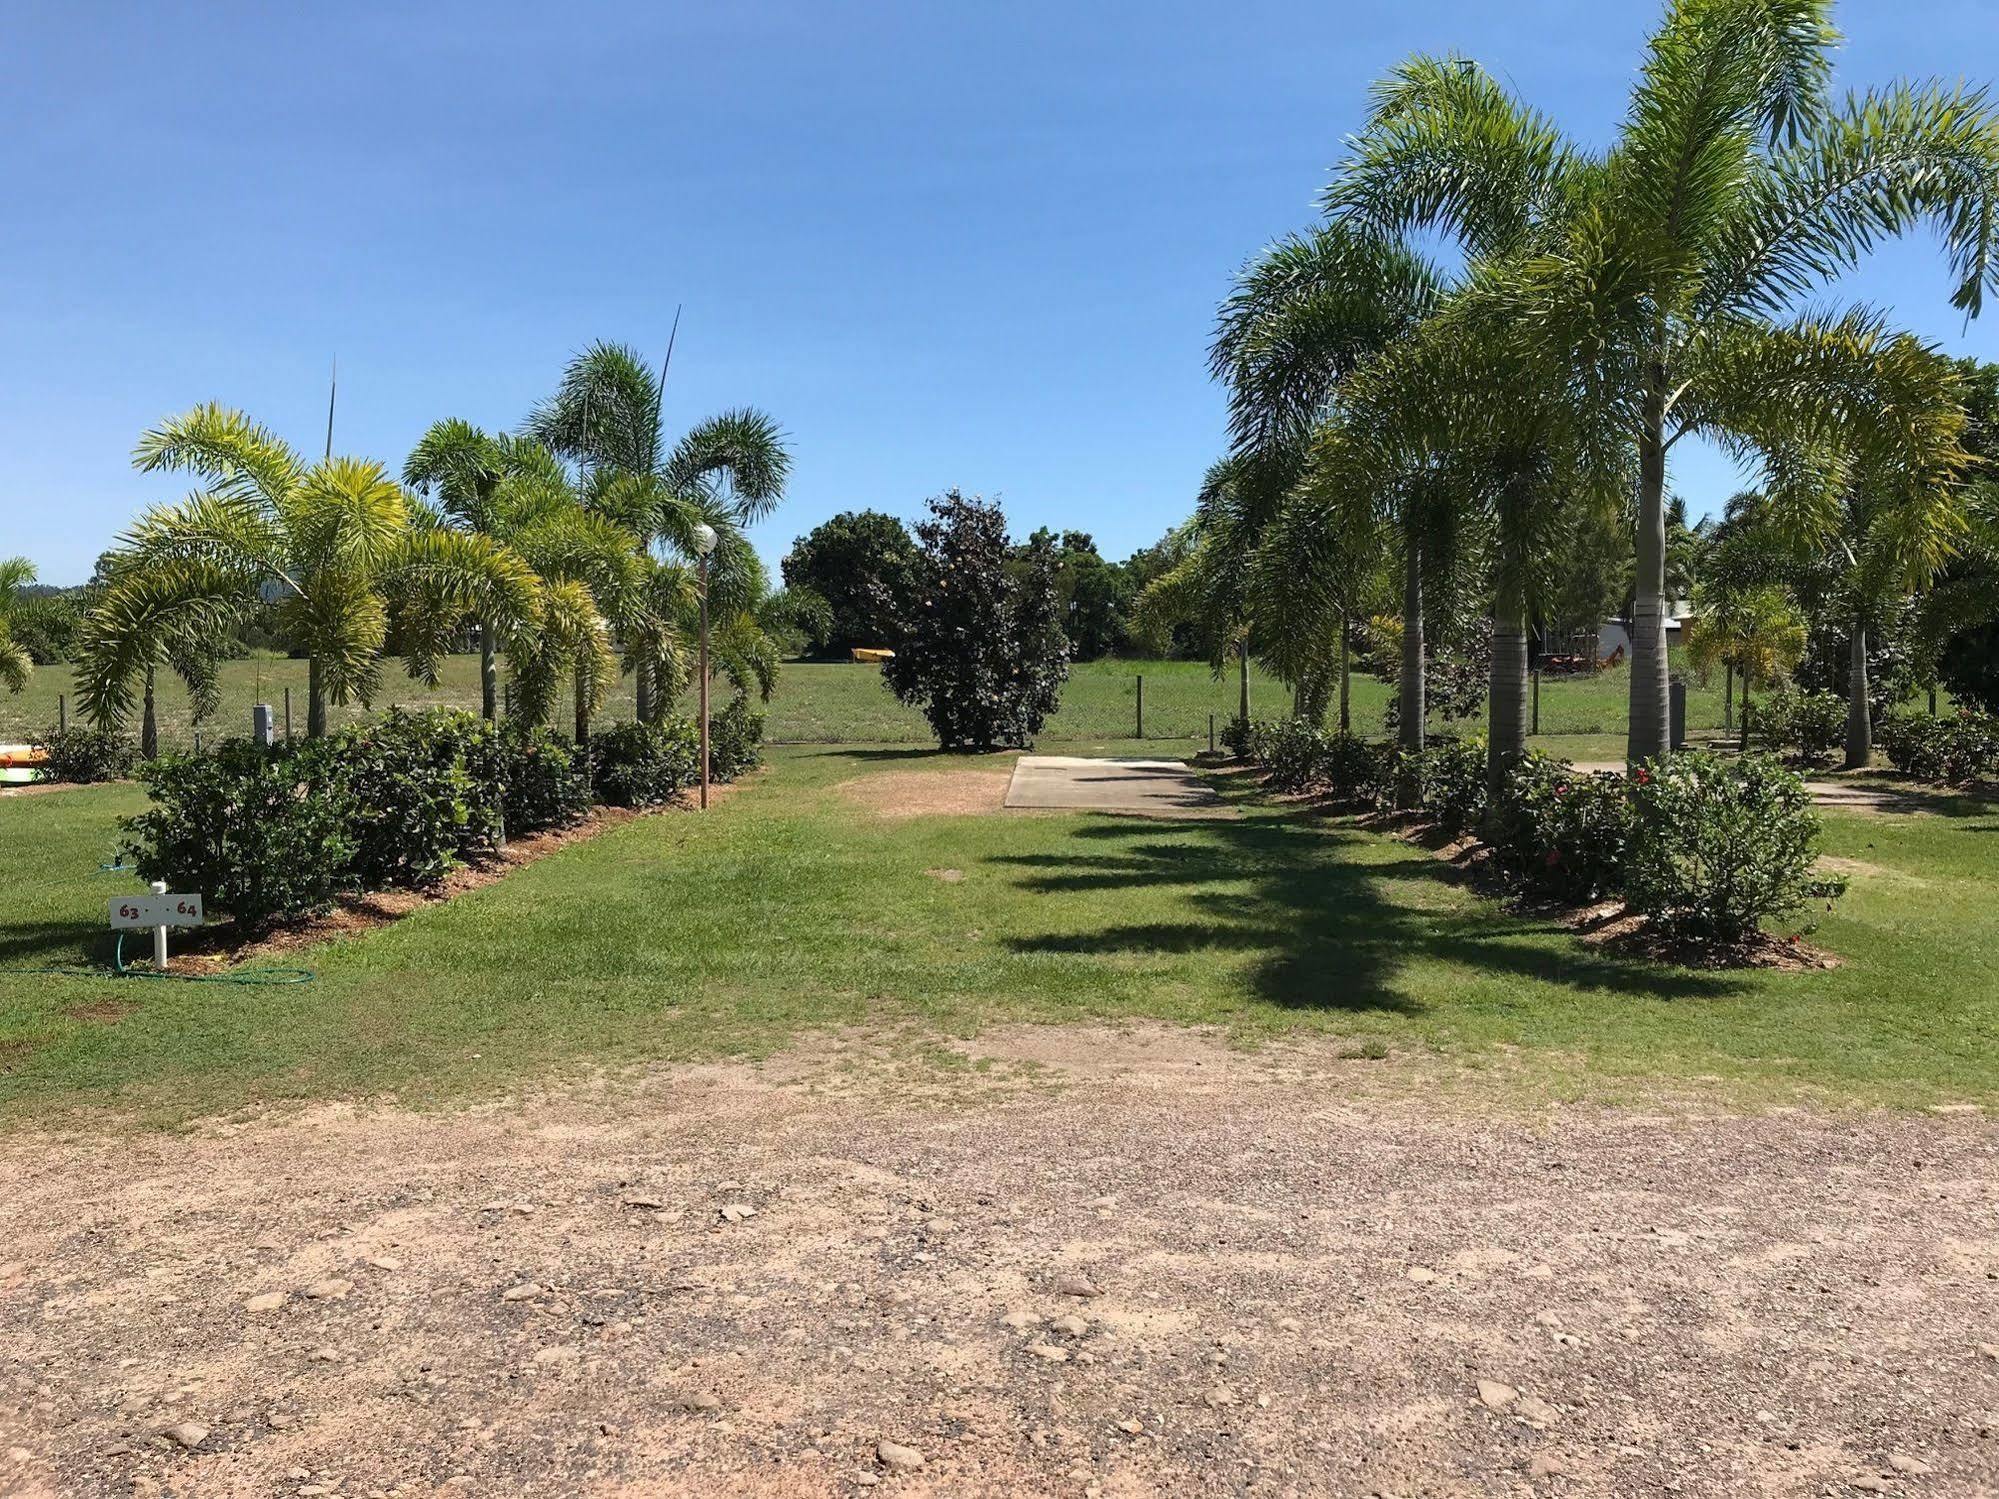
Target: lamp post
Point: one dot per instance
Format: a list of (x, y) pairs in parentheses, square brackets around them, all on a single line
[(704, 543)]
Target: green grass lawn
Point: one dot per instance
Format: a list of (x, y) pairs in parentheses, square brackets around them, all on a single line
[(789, 907), (843, 703)]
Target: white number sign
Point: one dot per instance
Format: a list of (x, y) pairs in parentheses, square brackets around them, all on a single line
[(155, 910)]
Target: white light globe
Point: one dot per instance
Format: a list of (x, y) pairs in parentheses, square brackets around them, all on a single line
[(704, 538)]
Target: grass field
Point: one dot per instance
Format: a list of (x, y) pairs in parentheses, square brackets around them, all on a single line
[(842, 703), (791, 906)]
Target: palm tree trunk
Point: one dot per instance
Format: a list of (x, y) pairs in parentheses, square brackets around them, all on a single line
[(1506, 696), (1346, 677), (315, 700), (642, 691), (489, 673), (1859, 726), (1412, 709), (149, 724), (1647, 737)]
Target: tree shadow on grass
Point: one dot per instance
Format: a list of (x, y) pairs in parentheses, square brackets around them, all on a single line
[(56, 943), (1327, 931)]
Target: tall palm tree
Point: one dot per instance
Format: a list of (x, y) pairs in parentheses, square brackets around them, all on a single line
[(1737, 188), (16, 666), (1302, 317), (339, 546), (725, 472), (1447, 149)]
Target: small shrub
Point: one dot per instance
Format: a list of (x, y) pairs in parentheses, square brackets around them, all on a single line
[(82, 756), (735, 740), (644, 765), (1565, 834), (1812, 723), (414, 802), (261, 833), (1958, 749), (1720, 845), (1295, 755), (1239, 736), (537, 776), (1451, 775)]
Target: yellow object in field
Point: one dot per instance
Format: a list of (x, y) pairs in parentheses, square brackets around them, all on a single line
[(872, 655)]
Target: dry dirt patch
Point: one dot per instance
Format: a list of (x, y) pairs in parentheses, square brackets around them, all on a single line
[(928, 793), (1189, 1271)]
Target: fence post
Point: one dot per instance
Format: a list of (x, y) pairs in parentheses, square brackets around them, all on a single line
[(62, 709), (1211, 733), (1141, 705), (1537, 701), (288, 715)]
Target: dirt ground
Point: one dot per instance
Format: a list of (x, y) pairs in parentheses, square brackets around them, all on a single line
[(1093, 1263)]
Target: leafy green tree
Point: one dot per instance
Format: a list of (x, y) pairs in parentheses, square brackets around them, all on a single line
[(985, 655), (1095, 595), (339, 545), (863, 564), (1737, 188), (724, 472)]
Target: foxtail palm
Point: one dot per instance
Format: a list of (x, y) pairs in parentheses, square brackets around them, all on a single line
[(1737, 188), (339, 546), (725, 472), (1302, 318), (465, 471)]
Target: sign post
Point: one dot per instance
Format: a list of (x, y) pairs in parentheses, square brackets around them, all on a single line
[(158, 911)]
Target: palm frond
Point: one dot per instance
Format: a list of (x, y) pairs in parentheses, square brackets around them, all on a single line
[(223, 447), (738, 457)]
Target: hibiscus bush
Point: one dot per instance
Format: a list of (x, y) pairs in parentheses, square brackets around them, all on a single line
[(1718, 845)]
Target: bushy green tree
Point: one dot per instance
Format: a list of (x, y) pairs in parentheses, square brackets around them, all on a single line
[(863, 564), (985, 655)]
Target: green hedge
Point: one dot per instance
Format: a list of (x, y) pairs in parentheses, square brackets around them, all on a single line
[(271, 834), (1708, 848)]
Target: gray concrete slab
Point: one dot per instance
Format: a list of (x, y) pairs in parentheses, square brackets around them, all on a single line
[(1145, 788)]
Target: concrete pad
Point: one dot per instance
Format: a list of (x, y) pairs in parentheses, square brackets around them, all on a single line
[(1147, 788)]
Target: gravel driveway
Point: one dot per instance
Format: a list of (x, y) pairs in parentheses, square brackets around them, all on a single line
[(1143, 1264)]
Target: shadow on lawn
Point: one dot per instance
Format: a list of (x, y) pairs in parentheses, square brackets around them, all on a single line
[(1332, 935)]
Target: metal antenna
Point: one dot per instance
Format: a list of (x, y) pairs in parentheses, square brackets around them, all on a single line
[(667, 363), (332, 389)]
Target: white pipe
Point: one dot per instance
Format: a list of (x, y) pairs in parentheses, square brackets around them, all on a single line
[(160, 933)]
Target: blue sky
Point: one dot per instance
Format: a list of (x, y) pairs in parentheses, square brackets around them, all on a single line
[(943, 243)]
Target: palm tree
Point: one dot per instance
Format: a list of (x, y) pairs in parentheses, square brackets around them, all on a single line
[(1879, 526), (16, 666), (1737, 188), (339, 546), (1755, 630), (1446, 149), (725, 472), (1302, 318), (462, 469)]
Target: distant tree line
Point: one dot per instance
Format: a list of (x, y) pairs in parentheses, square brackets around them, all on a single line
[(855, 581)]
